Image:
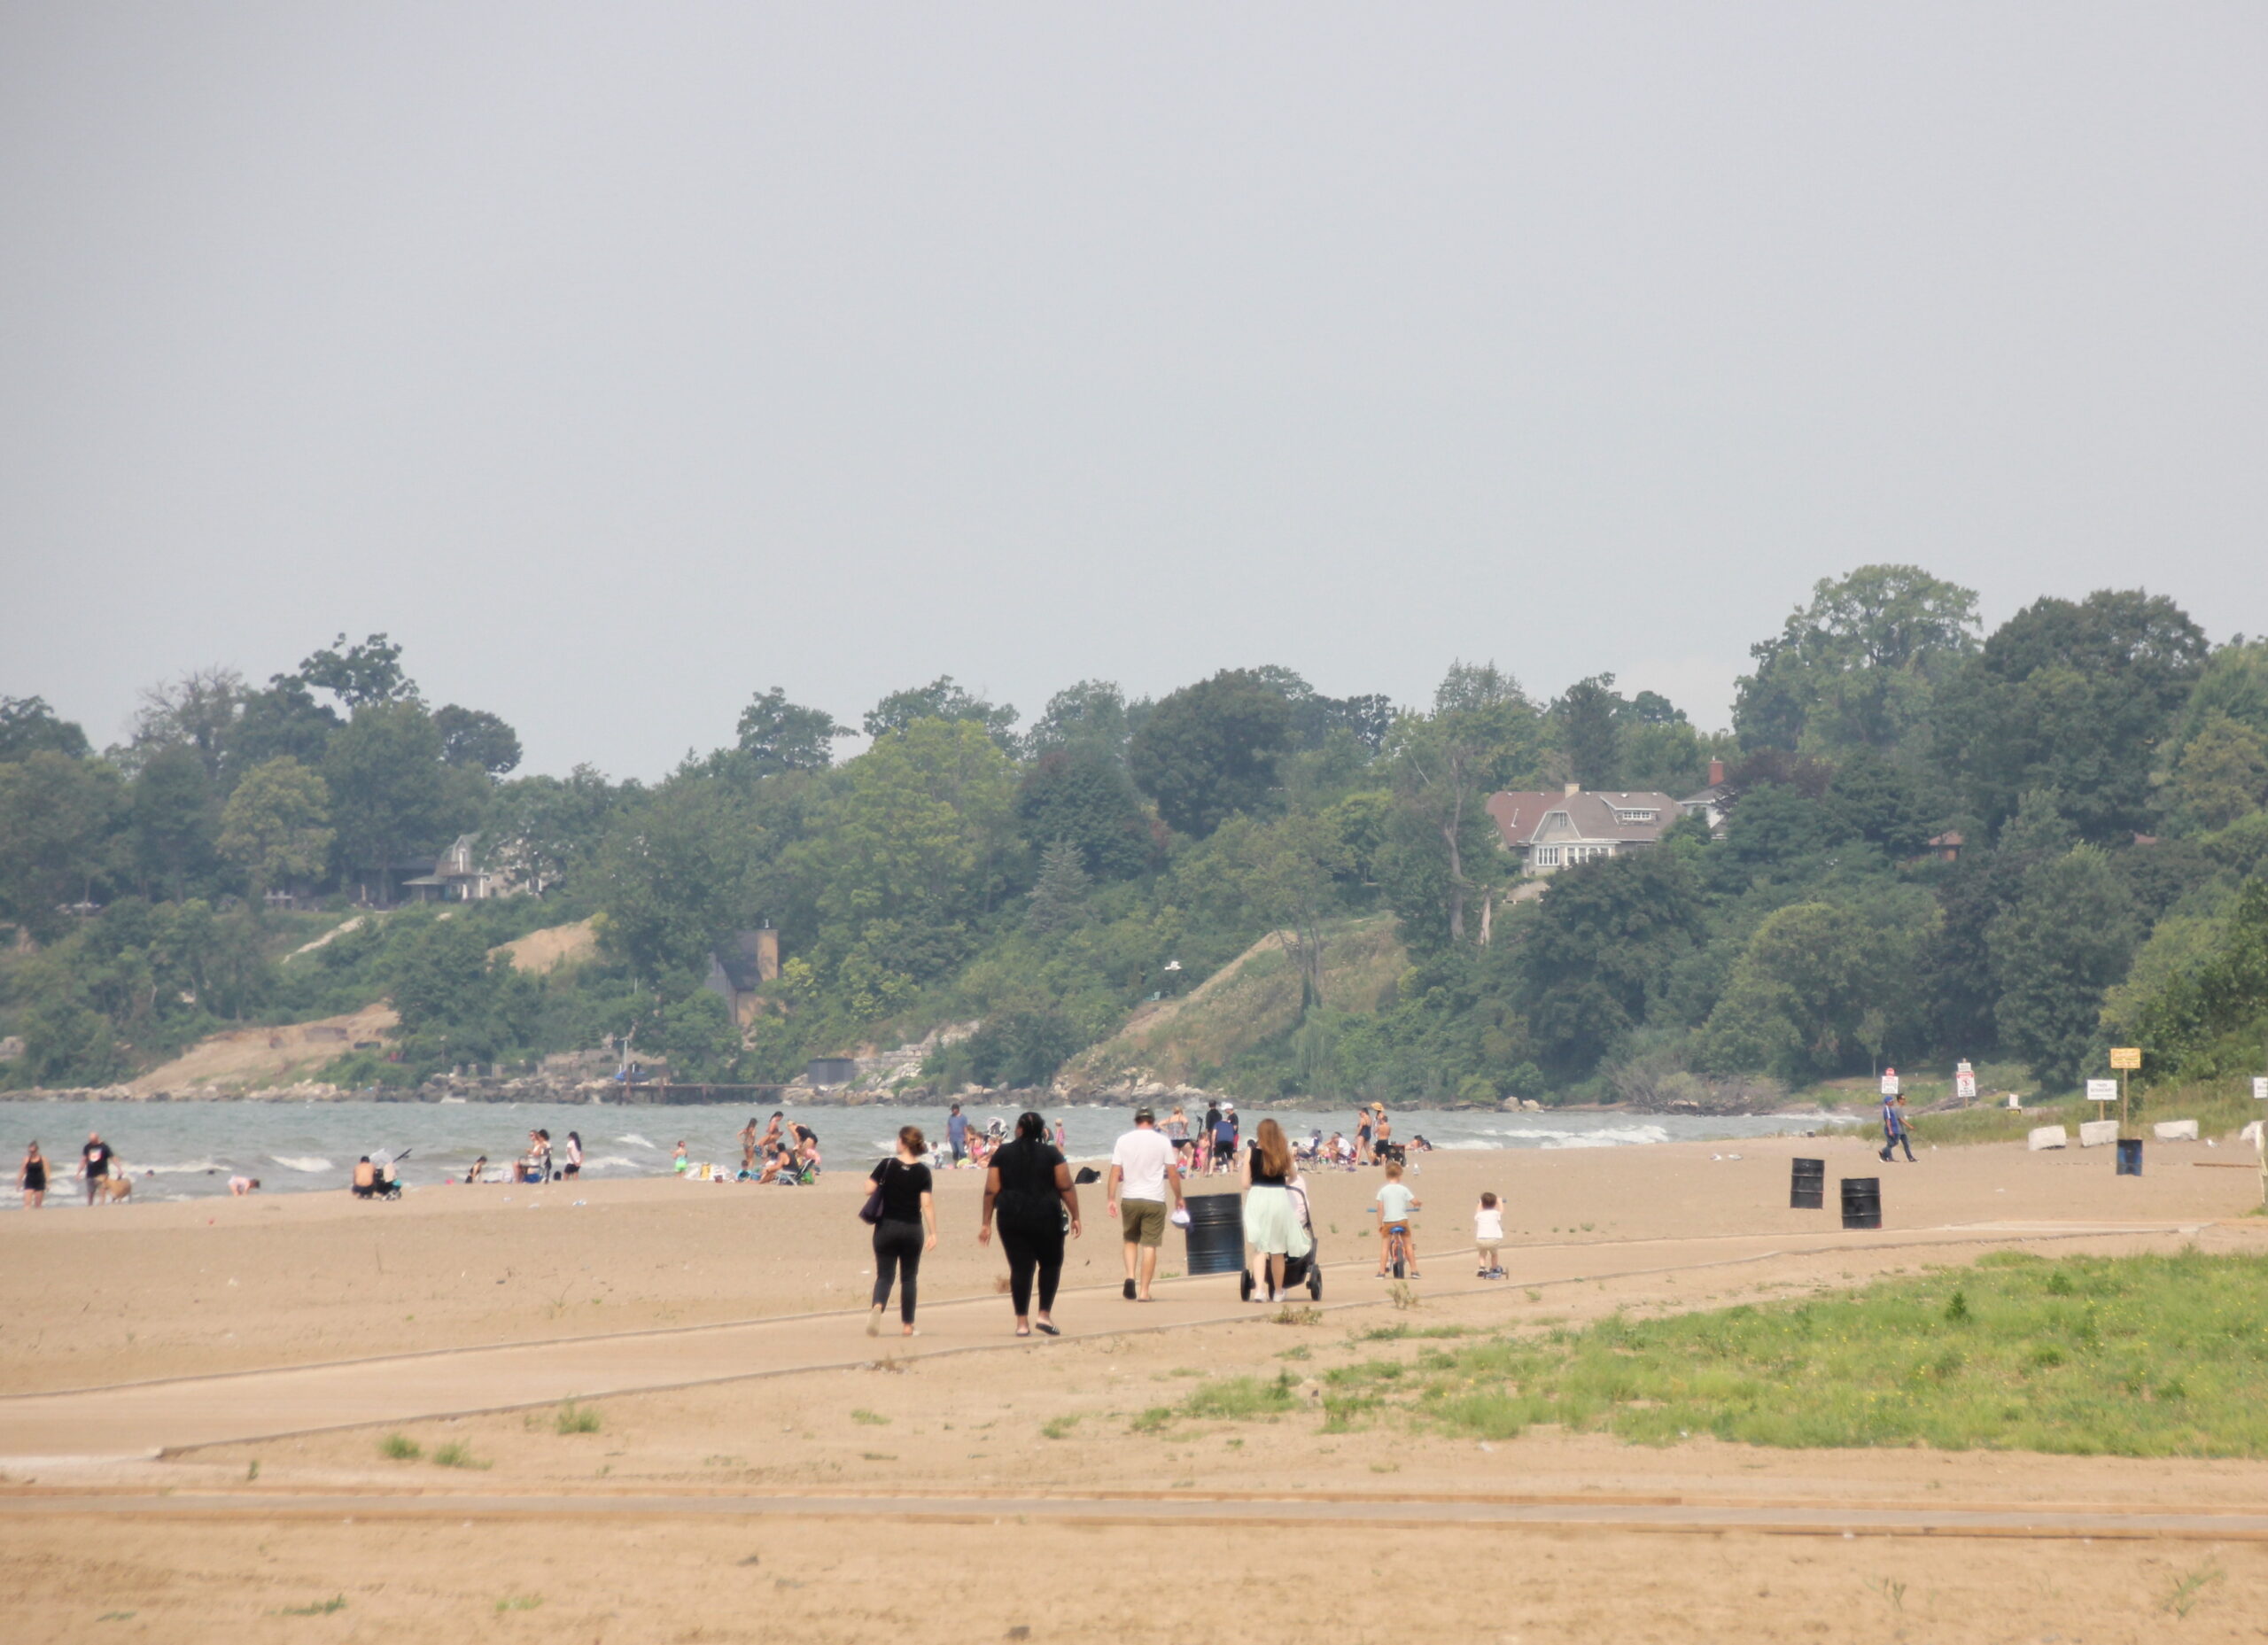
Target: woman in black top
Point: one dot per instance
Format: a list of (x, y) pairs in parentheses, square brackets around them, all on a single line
[(1029, 1185), (33, 1178), (908, 1212)]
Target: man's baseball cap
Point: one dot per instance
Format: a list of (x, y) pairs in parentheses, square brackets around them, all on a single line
[(1141, 1114)]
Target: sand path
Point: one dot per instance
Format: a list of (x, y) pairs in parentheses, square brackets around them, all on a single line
[(1183, 1510), (147, 1418)]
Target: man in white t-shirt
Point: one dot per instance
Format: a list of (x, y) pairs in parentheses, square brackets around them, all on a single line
[(1142, 1170)]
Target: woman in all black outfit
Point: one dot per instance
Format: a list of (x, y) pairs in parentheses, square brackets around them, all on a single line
[(907, 1229), (1028, 1186)]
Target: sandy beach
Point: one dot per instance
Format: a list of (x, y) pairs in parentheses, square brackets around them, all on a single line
[(196, 1393)]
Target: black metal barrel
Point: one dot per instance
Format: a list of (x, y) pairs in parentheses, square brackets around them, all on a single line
[(2130, 1156), (1862, 1202), (1807, 1185), (1216, 1233)]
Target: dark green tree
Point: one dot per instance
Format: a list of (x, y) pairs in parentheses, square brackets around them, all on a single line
[(2075, 698), (1588, 722), (58, 825), (1482, 735), (27, 727), (174, 820), (360, 675), (778, 735), (1209, 750), (2068, 938), (1058, 898), (1603, 934), (388, 793), (1089, 714), (1081, 794), (673, 876), (283, 720), (1858, 666), (942, 699), (478, 739)]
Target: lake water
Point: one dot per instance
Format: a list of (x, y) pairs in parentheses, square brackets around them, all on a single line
[(181, 1151)]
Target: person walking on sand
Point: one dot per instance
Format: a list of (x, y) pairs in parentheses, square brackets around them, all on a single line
[(1897, 1130), (1271, 1223), (1893, 1116), (1142, 1171), (1028, 1188), (33, 1178), (957, 1134), (907, 1227), (94, 1165)]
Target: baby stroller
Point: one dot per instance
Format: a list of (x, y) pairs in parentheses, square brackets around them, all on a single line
[(1306, 1271)]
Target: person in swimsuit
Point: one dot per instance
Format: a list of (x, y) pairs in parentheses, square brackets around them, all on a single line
[(33, 1178), (240, 1186), (574, 1154)]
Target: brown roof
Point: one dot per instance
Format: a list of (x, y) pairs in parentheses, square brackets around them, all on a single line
[(1522, 818)]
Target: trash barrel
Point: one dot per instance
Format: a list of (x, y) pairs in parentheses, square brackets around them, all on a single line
[(2130, 1156), (1862, 1202), (1807, 1185), (1216, 1233)]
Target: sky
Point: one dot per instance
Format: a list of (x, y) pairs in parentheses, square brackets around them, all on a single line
[(624, 361)]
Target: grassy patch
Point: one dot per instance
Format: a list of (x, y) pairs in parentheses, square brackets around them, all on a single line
[(872, 1419), (1239, 1398), (400, 1447), (322, 1608), (1058, 1427), (518, 1601), (2129, 1356), (457, 1454), (574, 1418)]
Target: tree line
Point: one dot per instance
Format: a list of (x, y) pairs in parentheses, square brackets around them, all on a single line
[(2103, 766)]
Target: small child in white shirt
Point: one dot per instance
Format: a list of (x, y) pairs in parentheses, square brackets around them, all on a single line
[(1488, 1235)]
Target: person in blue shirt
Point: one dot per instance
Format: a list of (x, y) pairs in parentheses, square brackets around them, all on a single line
[(957, 1134), (1895, 1132)]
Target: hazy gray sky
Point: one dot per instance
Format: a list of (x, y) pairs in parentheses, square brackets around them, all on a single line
[(623, 360)]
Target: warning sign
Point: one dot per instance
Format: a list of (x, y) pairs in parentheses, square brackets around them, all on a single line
[(2127, 1058)]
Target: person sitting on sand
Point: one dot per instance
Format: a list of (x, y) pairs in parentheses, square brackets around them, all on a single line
[(366, 1178), (479, 1169), (240, 1186)]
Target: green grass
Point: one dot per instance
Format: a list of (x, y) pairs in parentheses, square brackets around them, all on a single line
[(518, 1601), (400, 1447), (322, 1608), (872, 1419), (457, 1454), (1058, 1427), (2125, 1356), (574, 1418), (1241, 1399)]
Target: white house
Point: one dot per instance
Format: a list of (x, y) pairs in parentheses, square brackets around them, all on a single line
[(1548, 832)]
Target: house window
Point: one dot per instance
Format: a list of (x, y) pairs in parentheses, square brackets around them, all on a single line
[(1547, 856), (1634, 816)]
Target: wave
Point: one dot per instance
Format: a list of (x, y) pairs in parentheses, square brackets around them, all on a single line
[(634, 1140), (1610, 1137), (307, 1162), (186, 1167)]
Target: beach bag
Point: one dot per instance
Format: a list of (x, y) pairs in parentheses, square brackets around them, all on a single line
[(872, 1211)]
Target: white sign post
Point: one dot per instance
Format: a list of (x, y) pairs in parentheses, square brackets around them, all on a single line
[(2102, 1090), (1964, 1082)]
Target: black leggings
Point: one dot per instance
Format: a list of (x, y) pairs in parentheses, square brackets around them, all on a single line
[(1030, 1248), (897, 1245)]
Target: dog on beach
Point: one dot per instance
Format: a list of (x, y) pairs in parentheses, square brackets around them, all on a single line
[(115, 1187)]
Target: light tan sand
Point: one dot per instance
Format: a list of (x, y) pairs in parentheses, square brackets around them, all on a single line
[(244, 1058), (551, 947), (89, 1297)]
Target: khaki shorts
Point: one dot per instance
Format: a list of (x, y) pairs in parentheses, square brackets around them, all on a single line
[(1144, 1221)]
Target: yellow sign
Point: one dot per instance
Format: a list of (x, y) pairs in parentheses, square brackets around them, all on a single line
[(2127, 1057)]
